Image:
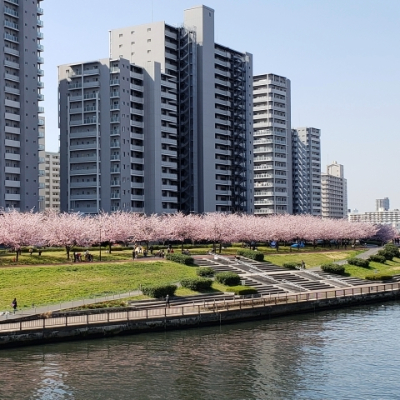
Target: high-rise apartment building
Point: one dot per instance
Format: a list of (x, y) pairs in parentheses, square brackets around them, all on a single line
[(52, 181), (334, 192), (20, 96), (199, 124), (102, 136), (306, 160), (272, 145), (382, 204)]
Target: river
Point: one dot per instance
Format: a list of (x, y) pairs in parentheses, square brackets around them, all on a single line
[(345, 354)]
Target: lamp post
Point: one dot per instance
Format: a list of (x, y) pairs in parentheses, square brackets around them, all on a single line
[(100, 243)]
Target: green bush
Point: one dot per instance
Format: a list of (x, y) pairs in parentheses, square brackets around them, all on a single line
[(377, 258), (228, 278), (242, 290), (333, 268), (358, 262), (197, 284), (378, 277), (253, 255), (180, 258), (205, 271), (390, 248), (291, 265), (387, 254), (158, 291)]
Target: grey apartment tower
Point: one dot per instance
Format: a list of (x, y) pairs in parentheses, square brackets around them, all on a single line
[(20, 96), (181, 137)]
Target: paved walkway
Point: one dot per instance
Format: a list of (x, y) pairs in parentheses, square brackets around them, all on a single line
[(365, 255)]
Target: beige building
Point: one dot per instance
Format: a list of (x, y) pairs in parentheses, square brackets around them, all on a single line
[(52, 181), (334, 192)]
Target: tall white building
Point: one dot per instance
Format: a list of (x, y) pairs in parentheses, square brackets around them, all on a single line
[(20, 96), (334, 192), (272, 145), (306, 158), (204, 124)]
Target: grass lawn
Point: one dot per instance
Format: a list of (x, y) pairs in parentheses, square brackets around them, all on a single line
[(389, 268), (311, 259), (53, 284)]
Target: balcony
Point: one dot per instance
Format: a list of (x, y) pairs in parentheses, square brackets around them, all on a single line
[(40, 11), (10, 11), (40, 60), (40, 35), (40, 85), (86, 146), (14, 184), (12, 197), (40, 23), (83, 184), (90, 121), (114, 82), (40, 72), (83, 171), (40, 47), (85, 134), (11, 38), (91, 84), (12, 157), (91, 71), (11, 25)]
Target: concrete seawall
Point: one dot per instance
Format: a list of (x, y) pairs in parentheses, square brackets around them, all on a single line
[(251, 311)]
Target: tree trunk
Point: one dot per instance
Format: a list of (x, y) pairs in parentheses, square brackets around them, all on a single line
[(109, 247), (68, 249)]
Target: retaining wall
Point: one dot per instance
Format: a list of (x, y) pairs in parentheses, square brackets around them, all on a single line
[(221, 315)]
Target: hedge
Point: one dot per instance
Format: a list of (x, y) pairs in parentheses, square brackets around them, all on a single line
[(387, 254), (205, 271), (253, 255), (228, 278), (158, 291), (197, 284), (291, 265), (377, 258), (379, 277), (242, 290), (358, 262), (333, 268), (180, 258)]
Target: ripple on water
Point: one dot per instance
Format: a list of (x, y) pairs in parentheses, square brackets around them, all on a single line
[(345, 354)]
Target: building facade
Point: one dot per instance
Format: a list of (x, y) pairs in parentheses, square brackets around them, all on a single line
[(205, 122), (20, 97), (334, 192), (272, 145), (306, 159)]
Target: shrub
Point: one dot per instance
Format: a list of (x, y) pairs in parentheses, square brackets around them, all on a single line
[(377, 258), (390, 248), (158, 291), (291, 265), (253, 255), (205, 271), (228, 278), (180, 258), (358, 262), (242, 290), (197, 284), (387, 254), (378, 277), (333, 268)]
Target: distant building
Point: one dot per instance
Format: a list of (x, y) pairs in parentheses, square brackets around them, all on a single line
[(52, 181), (382, 204), (378, 217), (334, 192), (306, 159)]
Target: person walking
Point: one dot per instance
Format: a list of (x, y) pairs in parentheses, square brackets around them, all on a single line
[(303, 264), (167, 300), (14, 304)]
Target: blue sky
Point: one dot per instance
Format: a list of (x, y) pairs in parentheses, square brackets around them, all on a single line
[(342, 57)]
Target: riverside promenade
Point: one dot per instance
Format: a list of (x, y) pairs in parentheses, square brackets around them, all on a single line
[(280, 293)]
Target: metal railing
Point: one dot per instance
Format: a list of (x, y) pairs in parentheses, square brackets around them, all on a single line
[(46, 321)]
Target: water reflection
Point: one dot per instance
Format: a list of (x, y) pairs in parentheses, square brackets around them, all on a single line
[(303, 357)]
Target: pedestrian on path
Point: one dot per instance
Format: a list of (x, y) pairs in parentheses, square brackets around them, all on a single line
[(14, 304), (167, 300), (303, 264)]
